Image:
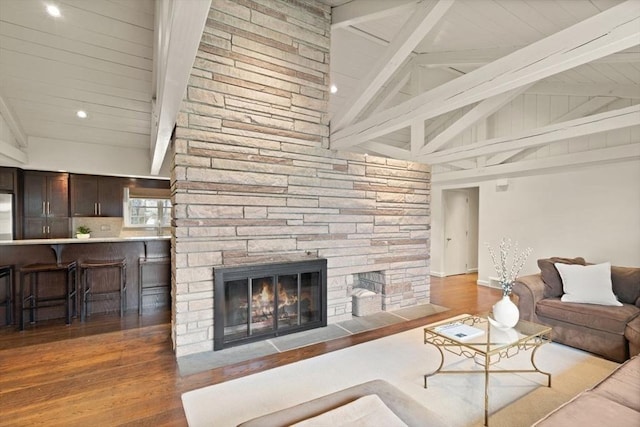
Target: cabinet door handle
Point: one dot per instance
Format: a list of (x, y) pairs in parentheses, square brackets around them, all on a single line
[(48, 208), (99, 209), (44, 230), (48, 229), (95, 209)]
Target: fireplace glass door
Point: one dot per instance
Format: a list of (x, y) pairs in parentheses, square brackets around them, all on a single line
[(267, 301)]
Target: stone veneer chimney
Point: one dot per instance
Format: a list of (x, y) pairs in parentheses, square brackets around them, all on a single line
[(254, 181)]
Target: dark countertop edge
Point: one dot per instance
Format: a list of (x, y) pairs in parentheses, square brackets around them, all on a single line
[(75, 240)]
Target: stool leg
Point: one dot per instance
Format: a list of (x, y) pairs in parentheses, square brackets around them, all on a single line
[(140, 282), (33, 290), (21, 314), (123, 289), (75, 291), (67, 305), (10, 298), (83, 311)]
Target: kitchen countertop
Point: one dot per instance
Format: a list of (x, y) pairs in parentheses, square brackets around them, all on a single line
[(75, 240)]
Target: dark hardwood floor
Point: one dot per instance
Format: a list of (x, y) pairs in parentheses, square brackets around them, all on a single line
[(112, 371)]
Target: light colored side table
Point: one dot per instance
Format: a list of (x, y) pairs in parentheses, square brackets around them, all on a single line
[(489, 348)]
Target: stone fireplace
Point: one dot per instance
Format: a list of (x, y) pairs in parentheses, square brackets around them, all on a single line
[(255, 302), (254, 181)]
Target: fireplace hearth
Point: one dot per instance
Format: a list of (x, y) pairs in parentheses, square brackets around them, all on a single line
[(256, 302)]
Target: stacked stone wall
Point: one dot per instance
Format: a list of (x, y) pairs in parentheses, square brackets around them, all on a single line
[(254, 180)]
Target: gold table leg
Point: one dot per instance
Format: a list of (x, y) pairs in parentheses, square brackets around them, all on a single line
[(486, 373)]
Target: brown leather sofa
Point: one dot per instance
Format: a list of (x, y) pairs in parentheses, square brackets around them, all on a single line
[(609, 331)]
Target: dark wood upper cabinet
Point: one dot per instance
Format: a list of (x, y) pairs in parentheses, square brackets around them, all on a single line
[(110, 195), (7, 179), (46, 194), (96, 195), (46, 205)]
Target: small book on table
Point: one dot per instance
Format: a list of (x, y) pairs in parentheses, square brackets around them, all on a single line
[(459, 331)]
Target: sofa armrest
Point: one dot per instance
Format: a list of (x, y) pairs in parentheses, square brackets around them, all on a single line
[(530, 290)]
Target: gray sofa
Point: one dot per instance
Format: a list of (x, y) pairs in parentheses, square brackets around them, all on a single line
[(615, 401), (609, 331)]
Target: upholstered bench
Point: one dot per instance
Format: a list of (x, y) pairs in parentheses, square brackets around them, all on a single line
[(403, 406)]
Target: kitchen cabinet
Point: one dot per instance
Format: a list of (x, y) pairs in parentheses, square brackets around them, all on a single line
[(93, 195), (46, 205), (7, 179)]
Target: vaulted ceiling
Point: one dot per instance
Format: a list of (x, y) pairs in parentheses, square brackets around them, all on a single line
[(482, 88), (473, 87)]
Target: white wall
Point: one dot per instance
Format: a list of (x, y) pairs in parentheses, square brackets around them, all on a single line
[(76, 157), (591, 212)]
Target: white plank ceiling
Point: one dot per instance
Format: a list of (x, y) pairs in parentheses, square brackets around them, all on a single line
[(466, 85), (486, 88), (97, 57)]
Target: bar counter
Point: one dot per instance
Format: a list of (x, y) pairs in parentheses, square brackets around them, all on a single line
[(76, 240), (22, 252)]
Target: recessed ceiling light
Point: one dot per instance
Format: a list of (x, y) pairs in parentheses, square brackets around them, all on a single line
[(53, 10), (333, 88), (82, 114)]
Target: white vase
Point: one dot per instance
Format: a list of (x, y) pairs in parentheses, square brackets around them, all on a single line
[(505, 312)]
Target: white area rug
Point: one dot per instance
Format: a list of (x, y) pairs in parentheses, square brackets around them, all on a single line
[(402, 359)]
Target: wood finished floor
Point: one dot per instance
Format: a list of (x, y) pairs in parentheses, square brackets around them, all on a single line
[(111, 371)]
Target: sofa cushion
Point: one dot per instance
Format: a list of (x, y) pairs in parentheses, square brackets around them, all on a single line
[(364, 411), (588, 284), (601, 317), (550, 276), (632, 334), (623, 385), (626, 284), (591, 409)]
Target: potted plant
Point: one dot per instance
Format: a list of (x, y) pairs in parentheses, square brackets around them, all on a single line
[(83, 232)]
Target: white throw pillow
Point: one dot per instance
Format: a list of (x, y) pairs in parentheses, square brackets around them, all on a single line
[(589, 284)]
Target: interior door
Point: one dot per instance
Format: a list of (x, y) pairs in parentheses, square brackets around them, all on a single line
[(456, 217)]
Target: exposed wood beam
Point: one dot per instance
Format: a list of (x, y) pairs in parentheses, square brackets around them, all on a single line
[(13, 123), (584, 109), (613, 30), (525, 167), (13, 152), (179, 32), (423, 19), (631, 91), (393, 88), (597, 123), (359, 11), (367, 36), (464, 164), (480, 57), (481, 111), (417, 136), (387, 150)]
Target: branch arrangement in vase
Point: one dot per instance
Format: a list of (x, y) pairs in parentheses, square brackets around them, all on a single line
[(506, 268)]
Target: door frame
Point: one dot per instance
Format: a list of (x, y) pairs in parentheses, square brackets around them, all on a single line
[(473, 218)]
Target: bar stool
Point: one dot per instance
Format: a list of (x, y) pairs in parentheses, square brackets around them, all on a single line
[(34, 300), (6, 273), (157, 288), (87, 267)]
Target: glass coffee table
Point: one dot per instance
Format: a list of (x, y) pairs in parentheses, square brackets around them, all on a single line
[(487, 345)]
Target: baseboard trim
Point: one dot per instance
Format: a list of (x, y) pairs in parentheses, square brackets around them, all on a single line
[(487, 284), (438, 274)]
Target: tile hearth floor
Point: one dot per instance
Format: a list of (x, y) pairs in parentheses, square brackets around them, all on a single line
[(195, 363)]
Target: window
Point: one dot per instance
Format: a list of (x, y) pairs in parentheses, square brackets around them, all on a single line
[(146, 209)]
